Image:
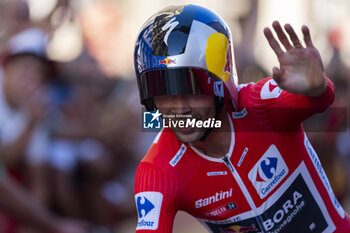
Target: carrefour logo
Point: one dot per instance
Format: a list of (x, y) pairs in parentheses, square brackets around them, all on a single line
[(143, 207), (268, 167), (268, 172), (148, 209)]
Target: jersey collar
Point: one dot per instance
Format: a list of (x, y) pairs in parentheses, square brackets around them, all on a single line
[(219, 160)]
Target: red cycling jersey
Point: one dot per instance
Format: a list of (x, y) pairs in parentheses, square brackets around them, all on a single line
[(270, 181)]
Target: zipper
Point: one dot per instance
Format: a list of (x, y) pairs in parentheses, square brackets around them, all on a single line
[(228, 163), (244, 189), (239, 181)]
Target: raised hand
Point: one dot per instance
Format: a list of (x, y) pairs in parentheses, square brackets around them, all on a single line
[(301, 68)]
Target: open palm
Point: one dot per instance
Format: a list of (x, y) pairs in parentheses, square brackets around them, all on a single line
[(301, 68)]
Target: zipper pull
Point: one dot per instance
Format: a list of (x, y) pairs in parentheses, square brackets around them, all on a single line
[(228, 163)]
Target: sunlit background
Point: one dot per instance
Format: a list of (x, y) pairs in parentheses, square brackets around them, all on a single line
[(113, 25), (108, 29)]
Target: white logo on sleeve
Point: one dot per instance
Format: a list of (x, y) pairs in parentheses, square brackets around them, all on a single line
[(268, 172), (270, 90), (148, 206)]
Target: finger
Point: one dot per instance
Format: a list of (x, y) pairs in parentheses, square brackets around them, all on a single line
[(277, 75), (307, 37), (281, 35), (273, 42), (293, 36)]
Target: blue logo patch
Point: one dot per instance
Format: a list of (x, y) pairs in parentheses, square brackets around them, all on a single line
[(152, 120), (240, 114), (268, 172), (147, 206), (266, 168)]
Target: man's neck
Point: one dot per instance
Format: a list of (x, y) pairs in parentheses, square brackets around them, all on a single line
[(217, 143)]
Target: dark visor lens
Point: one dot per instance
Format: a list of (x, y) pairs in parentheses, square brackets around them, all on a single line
[(177, 81)]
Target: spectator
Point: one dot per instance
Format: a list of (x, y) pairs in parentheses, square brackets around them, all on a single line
[(23, 137)]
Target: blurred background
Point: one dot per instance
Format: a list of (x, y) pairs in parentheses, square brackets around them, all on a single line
[(68, 98)]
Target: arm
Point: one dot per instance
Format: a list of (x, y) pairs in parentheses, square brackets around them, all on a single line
[(156, 199), (281, 110), (16, 202), (297, 90)]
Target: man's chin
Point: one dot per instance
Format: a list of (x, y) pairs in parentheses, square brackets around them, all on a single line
[(189, 136)]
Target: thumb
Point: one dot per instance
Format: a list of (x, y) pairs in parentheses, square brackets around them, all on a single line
[(277, 75)]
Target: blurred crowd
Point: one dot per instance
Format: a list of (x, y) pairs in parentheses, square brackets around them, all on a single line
[(67, 131), (70, 131)]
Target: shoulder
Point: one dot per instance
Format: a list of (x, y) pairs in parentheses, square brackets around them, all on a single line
[(163, 148), (160, 156), (154, 172), (169, 158), (265, 89)]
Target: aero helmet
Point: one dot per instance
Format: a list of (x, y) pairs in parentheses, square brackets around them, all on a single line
[(185, 50)]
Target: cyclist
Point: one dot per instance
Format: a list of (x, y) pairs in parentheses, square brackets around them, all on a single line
[(253, 169)]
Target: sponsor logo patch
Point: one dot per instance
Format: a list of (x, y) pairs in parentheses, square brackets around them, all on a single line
[(167, 61), (322, 174), (242, 157), (218, 173), (178, 155), (148, 206), (219, 88), (240, 114), (218, 196), (296, 210), (221, 210), (270, 90), (268, 172)]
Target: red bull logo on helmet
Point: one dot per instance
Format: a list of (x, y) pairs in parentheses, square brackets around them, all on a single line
[(167, 61), (218, 56)]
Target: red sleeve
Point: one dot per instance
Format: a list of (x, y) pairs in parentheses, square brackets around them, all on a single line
[(156, 199), (281, 110)]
